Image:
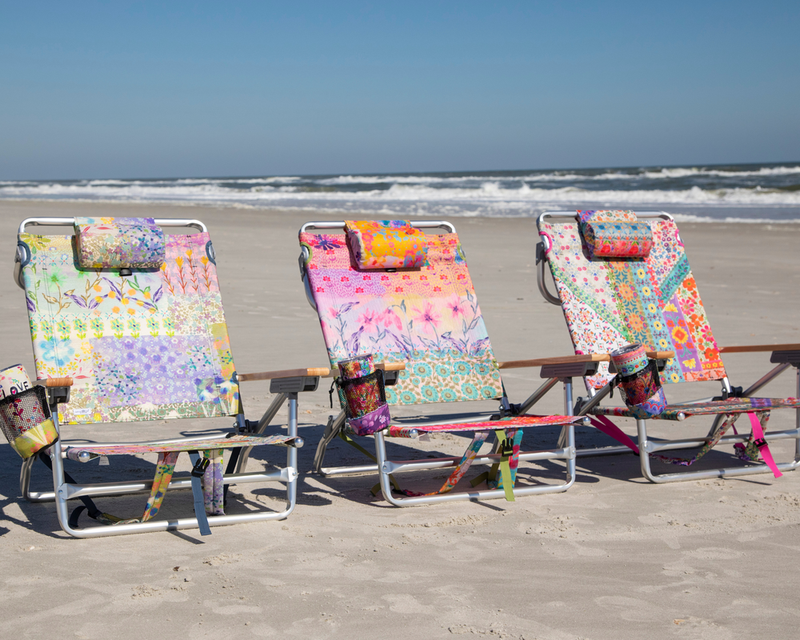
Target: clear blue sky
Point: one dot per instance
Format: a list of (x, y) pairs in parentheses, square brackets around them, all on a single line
[(169, 89)]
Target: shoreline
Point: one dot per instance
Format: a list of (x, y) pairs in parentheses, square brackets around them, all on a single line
[(683, 213)]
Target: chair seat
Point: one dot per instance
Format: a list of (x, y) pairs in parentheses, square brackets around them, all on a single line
[(87, 452), (714, 407), (514, 422)]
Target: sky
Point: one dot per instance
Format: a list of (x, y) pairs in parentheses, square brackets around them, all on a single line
[(190, 89)]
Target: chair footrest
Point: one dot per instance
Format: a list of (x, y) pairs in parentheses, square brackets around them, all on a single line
[(84, 453), (399, 431)]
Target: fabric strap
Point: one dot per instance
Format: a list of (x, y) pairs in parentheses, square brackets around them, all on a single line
[(508, 445), (198, 469), (603, 424), (165, 467), (761, 443), (214, 483), (461, 468)]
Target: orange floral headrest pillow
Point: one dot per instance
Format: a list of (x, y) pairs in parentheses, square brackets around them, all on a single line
[(385, 244)]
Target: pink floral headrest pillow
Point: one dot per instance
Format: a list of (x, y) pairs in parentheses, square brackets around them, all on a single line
[(385, 244), (615, 234), (117, 243)]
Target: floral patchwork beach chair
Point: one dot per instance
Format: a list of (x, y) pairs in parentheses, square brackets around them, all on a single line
[(624, 279), (128, 326), (404, 296)]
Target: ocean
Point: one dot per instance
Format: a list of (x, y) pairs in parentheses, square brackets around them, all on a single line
[(740, 193)]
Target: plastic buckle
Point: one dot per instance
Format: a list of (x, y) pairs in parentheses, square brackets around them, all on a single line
[(330, 391), (760, 442), (735, 392), (250, 426), (200, 467), (540, 252)]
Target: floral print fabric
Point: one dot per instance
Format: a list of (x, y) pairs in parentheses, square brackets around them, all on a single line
[(614, 302), (614, 234), (385, 244), (397, 431), (113, 243), (152, 345), (190, 444), (427, 318), (214, 484), (371, 422)]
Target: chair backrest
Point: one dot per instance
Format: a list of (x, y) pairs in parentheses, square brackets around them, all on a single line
[(426, 317), (611, 302), (151, 345)]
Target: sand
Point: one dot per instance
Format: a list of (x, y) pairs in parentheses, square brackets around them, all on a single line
[(614, 557)]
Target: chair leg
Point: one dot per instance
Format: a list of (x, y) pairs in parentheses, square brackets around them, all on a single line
[(387, 467), (25, 473), (261, 427), (797, 421), (64, 491), (291, 457), (332, 429), (646, 447)]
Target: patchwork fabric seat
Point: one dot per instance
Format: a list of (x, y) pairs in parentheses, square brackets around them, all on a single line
[(128, 326), (623, 278), (404, 296)]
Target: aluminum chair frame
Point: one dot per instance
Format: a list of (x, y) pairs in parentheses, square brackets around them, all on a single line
[(386, 467), (785, 356), (286, 384)]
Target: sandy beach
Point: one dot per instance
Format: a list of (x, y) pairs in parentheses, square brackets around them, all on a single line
[(613, 557)]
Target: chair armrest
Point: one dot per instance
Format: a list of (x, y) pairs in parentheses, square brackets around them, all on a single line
[(319, 372), (541, 362), (56, 382), (391, 366), (386, 366), (285, 373), (760, 347), (660, 355), (58, 389)]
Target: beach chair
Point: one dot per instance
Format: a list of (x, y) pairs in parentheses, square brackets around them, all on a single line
[(127, 326), (623, 278), (405, 297)]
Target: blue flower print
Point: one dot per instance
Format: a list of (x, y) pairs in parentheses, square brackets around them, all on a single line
[(58, 352)]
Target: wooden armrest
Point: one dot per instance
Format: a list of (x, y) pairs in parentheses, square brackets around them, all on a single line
[(285, 373), (57, 382), (589, 357), (760, 347), (386, 366), (541, 362), (321, 372), (391, 366), (660, 355)]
